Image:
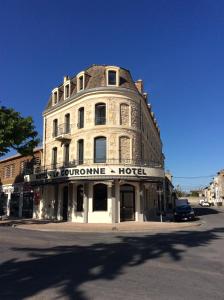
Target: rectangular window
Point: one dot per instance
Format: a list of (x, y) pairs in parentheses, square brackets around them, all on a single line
[(66, 155), (100, 114), (67, 91), (100, 150), (81, 82), (55, 97), (80, 152), (9, 171), (67, 123), (54, 158), (81, 117), (112, 75), (55, 128)]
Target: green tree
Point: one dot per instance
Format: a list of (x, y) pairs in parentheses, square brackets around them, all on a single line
[(179, 192), (194, 193), (16, 132)]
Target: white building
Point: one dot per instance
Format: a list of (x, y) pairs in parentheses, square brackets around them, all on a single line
[(102, 151)]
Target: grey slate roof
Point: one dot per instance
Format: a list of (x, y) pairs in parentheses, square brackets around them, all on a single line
[(95, 76)]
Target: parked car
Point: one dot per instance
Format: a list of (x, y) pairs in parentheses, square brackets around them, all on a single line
[(184, 213), (201, 201), (204, 202)]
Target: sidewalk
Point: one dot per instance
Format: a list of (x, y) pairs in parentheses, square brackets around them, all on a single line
[(40, 225)]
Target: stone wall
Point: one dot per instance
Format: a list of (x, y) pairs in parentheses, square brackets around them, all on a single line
[(122, 119)]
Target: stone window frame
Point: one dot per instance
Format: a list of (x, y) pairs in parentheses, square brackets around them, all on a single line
[(95, 106), (54, 161), (81, 74), (66, 152), (55, 96), (93, 147), (79, 161), (67, 83), (129, 112), (131, 145), (67, 123), (55, 127), (115, 69), (78, 116)]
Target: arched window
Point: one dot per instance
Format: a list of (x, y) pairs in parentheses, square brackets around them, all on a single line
[(79, 195), (100, 197), (81, 81), (124, 149), (100, 114), (80, 152), (100, 149)]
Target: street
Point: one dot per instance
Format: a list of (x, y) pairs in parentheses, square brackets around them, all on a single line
[(186, 264)]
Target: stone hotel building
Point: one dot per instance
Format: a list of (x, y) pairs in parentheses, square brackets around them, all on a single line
[(102, 151)]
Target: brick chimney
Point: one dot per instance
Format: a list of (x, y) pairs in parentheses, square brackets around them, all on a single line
[(139, 85)]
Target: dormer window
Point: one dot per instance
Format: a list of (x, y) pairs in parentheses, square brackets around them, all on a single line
[(54, 96), (80, 81), (67, 87), (67, 94), (112, 76)]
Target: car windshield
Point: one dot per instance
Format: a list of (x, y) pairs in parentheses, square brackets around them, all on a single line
[(183, 208)]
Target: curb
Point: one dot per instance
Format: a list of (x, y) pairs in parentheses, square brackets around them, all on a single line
[(108, 230)]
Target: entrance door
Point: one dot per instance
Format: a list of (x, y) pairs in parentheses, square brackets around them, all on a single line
[(14, 205), (65, 204), (127, 203), (27, 210)]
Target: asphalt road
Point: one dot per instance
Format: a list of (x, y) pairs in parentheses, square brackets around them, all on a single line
[(187, 264)]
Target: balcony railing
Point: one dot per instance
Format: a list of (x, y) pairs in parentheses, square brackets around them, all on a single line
[(61, 130), (90, 162)]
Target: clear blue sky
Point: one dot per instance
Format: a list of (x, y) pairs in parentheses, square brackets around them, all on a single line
[(176, 47)]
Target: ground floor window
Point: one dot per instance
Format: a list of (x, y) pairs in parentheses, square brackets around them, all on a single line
[(100, 197), (79, 206)]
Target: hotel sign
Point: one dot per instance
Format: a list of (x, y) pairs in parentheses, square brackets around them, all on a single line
[(104, 171)]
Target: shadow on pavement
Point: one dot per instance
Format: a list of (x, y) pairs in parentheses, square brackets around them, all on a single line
[(202, 211), (69, 267), (19, 221)]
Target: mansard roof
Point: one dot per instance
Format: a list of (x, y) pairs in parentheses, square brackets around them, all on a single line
[(95, 76)]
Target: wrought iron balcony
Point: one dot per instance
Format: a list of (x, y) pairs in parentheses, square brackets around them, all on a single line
[(62, 132), (90, 162)]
